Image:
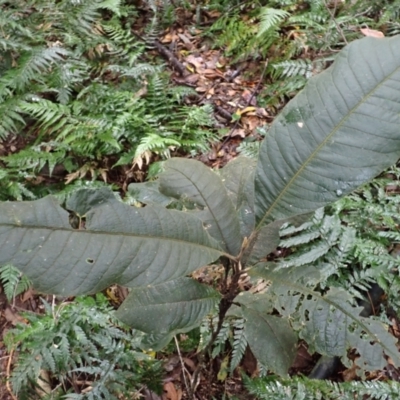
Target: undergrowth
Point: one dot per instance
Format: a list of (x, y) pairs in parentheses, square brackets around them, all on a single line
[(303, 389), (79, 350), (85, 98), (81, 97), (298, 38), (13, 282)]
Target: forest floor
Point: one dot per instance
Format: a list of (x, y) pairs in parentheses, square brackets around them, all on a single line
[(233, 89)]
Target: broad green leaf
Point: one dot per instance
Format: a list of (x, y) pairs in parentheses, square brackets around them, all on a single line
[(329, 323), (339, 132), (238, 178), (192, 180), (170, 307), (271, 340), (331, 329), (121, 244), (148, 193), (267, 239), (84, 200)]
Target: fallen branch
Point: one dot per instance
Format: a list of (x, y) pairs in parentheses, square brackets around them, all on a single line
[(164, 52)]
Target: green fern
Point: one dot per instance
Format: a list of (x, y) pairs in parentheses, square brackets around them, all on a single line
[(239, 344), (80, 339), (270, 18), (351, 241), (303, 388), (14, 283), (76, 82), (220, 341)]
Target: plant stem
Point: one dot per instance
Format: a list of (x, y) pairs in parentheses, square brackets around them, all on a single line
[(224, 306)]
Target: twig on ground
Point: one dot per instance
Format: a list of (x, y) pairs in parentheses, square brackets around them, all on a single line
[(8, 374), (332, 14), (168, 55), (221, 111), (188, 388)]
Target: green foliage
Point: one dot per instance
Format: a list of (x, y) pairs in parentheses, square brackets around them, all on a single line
[(239, 344), (299, 39), (79, 341), (303, 388), (231, 334), (319, 149), (77, 84), (14, 283), (353, 245)]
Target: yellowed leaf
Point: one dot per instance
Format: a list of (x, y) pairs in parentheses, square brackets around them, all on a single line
[(224, 370), (247, 110)]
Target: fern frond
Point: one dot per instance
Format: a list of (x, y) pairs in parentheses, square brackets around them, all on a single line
[(222, 337), (270, 19), (302, 238), (303, 388), (239, 343), (14, 283), (291, 68), (31, 66)]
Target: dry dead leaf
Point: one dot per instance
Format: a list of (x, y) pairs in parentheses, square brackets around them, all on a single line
[(27, 295), (249, 363), (262, 112), (303, 358), (12, 317), (350, 374), (372, 33), (185, 40), (251, 122), (43, 386), (201, 89), (238, 133), (197, 62), (169, 37), (170, 393), (212, 73), (248, 97), (192, 79)]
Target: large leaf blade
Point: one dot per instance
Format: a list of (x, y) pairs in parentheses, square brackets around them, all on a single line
[(121, 244), (339, 132), (173, 306), (271, 339), (330, 323), (192, 180), (238, 178)]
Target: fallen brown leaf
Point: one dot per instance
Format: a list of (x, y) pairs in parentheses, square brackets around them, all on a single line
[(12, 317), (372, 33), (170, 393), (238, 133)]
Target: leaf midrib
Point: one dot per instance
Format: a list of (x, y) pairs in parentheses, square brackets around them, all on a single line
[(321, 145), (106, 233)]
